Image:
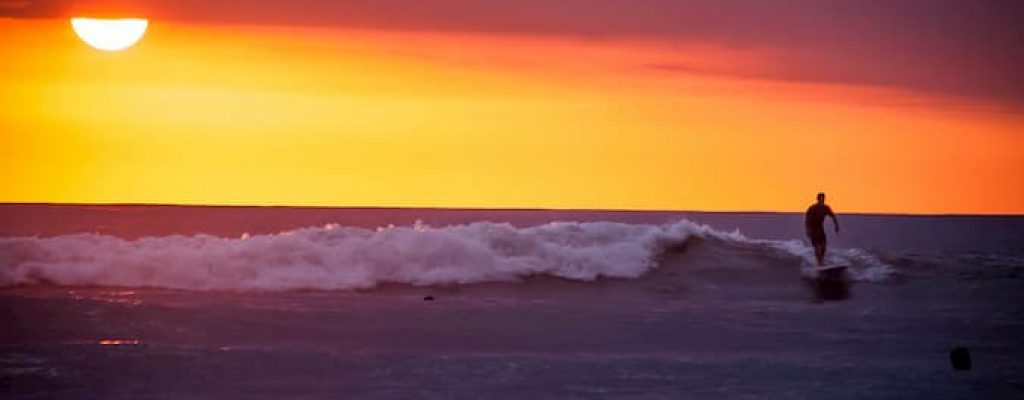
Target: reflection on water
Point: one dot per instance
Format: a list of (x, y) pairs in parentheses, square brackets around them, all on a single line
[(119, 342), (830, 286)]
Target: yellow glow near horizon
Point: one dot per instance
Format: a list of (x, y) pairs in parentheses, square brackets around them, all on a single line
[(332, 117), (110, 34)]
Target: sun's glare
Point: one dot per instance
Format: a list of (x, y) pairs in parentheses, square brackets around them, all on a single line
[(110, 34)]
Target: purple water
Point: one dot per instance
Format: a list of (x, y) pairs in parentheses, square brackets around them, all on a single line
[(196, 303)]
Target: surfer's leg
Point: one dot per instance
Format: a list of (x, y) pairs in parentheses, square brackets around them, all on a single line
[(818, 240), (819, 253)]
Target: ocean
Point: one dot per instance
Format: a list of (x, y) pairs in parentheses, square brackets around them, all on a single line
[(170, 302)]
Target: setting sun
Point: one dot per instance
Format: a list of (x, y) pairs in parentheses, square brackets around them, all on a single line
[(110, 34)]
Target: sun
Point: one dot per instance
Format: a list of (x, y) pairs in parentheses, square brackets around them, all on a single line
[(109, 34)]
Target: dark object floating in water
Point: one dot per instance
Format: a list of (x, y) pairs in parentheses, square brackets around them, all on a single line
[(961, 359), (428, 298)]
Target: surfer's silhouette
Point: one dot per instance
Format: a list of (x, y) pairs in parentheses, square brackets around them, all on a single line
[(814, 221)]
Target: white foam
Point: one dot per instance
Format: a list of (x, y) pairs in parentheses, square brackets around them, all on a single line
[(861, 265), (334, 257)]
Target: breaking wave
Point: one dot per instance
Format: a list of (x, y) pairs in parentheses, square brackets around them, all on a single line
[(336, 257)]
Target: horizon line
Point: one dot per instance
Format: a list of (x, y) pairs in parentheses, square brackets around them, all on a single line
[(508, 208)]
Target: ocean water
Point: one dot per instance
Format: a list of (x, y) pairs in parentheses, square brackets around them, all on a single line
[(240, 303)]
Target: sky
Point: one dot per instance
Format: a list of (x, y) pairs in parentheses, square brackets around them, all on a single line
[(896, 106)]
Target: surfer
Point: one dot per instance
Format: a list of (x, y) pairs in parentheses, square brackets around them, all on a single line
[(814, 221)]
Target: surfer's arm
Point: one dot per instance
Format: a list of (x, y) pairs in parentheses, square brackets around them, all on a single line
[(807, 222), (835, 221)]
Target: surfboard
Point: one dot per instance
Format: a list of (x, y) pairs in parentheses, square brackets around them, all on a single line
[(832, 273), (830, 268)]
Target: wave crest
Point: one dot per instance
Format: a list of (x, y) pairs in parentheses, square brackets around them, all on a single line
[(336, 257)]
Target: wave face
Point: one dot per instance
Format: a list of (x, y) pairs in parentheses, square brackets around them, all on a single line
[(335, 257)]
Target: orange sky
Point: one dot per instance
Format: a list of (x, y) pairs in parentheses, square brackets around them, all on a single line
[(233, 114)]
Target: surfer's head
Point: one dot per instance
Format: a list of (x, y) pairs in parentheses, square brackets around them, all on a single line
[(821, 197)]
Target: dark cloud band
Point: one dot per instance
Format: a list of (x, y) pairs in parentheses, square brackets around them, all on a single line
[(33, 8), (954, 47)]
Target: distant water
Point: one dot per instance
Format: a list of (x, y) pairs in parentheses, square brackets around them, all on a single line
[(238, 302)]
